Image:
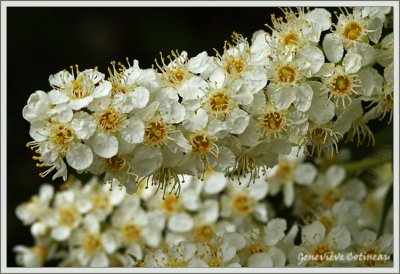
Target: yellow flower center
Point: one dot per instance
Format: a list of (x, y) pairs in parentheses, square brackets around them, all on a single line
[(170, 204), (219, 102), (255, 248), (241, 204), (290, 38), (78, 90), (68, 215), (91, 243), (287, 74), (234, 65), (62, 135), (320, 253), (109, 120), (319, 136), (203, 233), (352, 30), (174, 262), (130, 232), (116, 163), (273, 121), (341, 85), (284, 173), (101, 201), (200, 144), (155, 132)]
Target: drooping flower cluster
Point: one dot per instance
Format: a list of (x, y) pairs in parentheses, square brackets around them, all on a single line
[(303, 83), (217, 224)]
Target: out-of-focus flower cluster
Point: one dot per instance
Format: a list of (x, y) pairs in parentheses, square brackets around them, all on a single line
[(214, 223), (311, 81)]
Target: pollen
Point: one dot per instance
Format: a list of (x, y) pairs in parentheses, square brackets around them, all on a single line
[(352, 30), (201, 144), (234, 65), (273, 121), (62, 135), (91, 243), (341, 85), (68, 216), (155, 133), (284, 173), (203, 233), (241, 204), (320, 253), (255, 248), (116, 163), (101, 201), (109, 120), (290, 39), (171, 203), (287, 74), (130, 232), (219, 102)]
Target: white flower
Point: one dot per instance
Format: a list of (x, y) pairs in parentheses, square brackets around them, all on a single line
[(65, 216), (91, 246), (78, 90), (316, 241), (290, 170), (30, 256), (242, 202), (54, 141), (136, 226), (37, 107), (38, 205)]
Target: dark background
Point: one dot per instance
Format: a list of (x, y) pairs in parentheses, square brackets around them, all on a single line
[(43, 41)]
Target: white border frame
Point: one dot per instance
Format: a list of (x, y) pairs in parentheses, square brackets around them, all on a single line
[(5, 4)]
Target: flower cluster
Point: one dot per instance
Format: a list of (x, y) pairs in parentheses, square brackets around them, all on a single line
[(217, 224), (304, 83)]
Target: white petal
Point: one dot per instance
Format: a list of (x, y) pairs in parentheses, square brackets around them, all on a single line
[(146, 160), (194, 88), (335, 175), (215, 183), (172, 111), (102, 90), (312, 56), (320, 16), (57, 97), (303, 97), (79, 156), (83, 125), (180, 222), (198, 64), (195, 120), (304, 174), (99, 260), (339, 237), (140, 97), (238, 120), (260, 212), (275, 231), (132, 130), (333, 48), (313, 233), (374, 29), (225, 159), (105, 145), (260, 260), (78, 104), (283, 97), (352, 62), (61, 233)]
